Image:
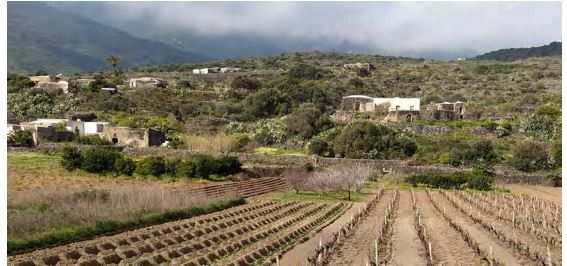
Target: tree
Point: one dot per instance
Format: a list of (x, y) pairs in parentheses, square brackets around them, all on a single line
[(114, 61), (530, 156), (18, 82), (363, 139), (305, 71), (307, 121)]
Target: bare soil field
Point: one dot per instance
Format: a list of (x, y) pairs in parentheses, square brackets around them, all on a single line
[(542, 192), (450, 228), (250, 234)]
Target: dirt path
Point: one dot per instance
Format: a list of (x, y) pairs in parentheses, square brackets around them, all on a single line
[(447, 245), (484, 238), (406, 246), (298, 254), (547, 193), (356, 248)]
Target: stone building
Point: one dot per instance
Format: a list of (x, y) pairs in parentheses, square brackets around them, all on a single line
[(46, 130), (134, 137), (47, 82), (359, 65), (147, 82), (446, 111), (386, 109)]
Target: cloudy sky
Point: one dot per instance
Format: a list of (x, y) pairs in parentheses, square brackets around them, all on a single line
[(395, 28)]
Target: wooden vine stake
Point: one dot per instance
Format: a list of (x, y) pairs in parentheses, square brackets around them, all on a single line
[(430, 256), (376, 251), (490, 256), (549, 257)]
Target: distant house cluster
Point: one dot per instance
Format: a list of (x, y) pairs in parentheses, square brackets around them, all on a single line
[(396, 109), (85, 124), (215, 70), (48, 82)]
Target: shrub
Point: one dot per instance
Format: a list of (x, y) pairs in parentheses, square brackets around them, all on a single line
[(20, 138), (529, 156), (124, 166), (71, 158), (92, 140), (458, 180), (408, 145), (99, 160), (171, 166), (320, 147), (228, 165), (367, 140), (185, 169), (151, 166), (481, 152), (204, 165)]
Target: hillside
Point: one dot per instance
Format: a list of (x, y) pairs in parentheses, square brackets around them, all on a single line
[(44, 38), (552, 49)]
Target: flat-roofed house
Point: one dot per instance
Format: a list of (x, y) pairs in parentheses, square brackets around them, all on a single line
[(147, 82), (389, 109)]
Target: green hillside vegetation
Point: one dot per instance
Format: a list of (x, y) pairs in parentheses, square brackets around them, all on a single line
[(43, 38), (286, 102), (552, 49)]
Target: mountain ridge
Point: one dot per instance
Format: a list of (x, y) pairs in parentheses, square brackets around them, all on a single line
[(41, 38)]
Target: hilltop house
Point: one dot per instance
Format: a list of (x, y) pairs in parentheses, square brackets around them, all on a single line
[(147, 82), (446, 111), (47, 82), (359, 65), (387, 109), (133, 137)]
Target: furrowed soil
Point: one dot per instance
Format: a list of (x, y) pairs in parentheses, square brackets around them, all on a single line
[(448, 247), (486, 241), (547, 193), (357, 247), (406, 246)]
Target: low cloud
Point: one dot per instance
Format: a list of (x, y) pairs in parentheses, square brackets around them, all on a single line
[(388, 27)]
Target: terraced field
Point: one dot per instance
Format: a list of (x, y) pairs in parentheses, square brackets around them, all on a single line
[(447, 228), (254, 233), (391, 228)]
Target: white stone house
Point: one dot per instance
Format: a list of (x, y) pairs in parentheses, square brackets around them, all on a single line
[(146, 82)]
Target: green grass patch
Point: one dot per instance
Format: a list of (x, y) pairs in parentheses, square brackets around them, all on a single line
[(69, 234), (33, 160), (279, 151)]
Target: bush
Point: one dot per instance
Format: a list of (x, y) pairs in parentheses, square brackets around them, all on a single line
[(99, 160), (92, 140), (151, 166), (459, 180), (320, 147), (530, 156), (228, 165), (481, 152), (365, 140), (71, 158), (124, 166), (20, 138), (204, 165), (185, 169)]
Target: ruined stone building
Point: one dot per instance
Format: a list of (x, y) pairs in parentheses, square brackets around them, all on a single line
[(359, 65), (45, 130), (133, 137), (446, 111), (147, 82), (385, 109), (47, 82)]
